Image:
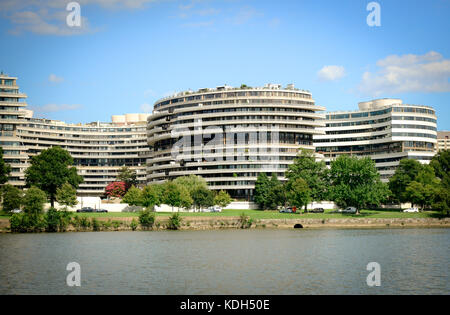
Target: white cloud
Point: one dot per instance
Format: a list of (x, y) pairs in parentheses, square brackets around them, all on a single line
[(146, 108), (48, 17), (245, 14), (54, 78), (331, 73), (51, 108), (427, 73)]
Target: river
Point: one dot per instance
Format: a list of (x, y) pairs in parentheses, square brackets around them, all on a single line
[(323, 261)]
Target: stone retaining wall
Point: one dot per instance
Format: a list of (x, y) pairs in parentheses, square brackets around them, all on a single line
[(210, 223)]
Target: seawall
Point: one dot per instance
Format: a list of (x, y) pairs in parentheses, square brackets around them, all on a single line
[(211, 223)]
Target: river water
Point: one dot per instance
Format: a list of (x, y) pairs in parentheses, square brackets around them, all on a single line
[(412, 261)]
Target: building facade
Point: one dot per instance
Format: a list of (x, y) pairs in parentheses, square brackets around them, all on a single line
[(386, 130), (99, 149), (230, 135), (443, 138)]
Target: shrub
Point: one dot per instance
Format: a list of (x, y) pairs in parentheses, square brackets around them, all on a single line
[(174, 222), (16, 223), (116, 225), (147, 219), (95, 224), (245, 221), (134, 224), (84, 223), (23, 222), (56, 220), (106, 224)]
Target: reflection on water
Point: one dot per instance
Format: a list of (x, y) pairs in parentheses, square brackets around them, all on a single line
[(413, 261)]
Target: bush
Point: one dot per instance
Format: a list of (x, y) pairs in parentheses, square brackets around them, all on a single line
[(106, 224), (84, 223), (95, 224), (147, 219), (116, 225), (16, 223), (56, 220), (245, 221), (134, 224), (174, 222), (23, 223)]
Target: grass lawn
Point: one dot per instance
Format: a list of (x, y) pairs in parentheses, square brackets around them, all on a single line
[(272, 214)]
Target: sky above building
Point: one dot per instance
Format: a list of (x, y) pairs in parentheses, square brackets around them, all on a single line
[(126, 54)]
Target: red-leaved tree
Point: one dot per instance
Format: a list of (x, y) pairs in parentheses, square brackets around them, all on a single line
[(116, 189)]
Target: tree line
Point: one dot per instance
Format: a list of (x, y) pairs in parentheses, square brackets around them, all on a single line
[(353, 181)]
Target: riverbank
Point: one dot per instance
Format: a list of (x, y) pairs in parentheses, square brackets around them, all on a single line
[(121, 223)]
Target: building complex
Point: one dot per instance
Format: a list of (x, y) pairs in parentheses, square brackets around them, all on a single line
[(99, 149), (443, 140), (227, 135), (386, 130), (230, 135)]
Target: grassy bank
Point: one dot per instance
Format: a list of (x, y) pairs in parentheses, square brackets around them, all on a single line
[(272, 214)]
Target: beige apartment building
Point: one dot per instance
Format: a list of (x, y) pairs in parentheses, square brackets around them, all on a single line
[(386, 130), (443, 140), (229, 135), (99, 149)]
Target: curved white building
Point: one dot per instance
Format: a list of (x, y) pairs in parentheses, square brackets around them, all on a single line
[(385, 129), (99, 149), (229, 135)]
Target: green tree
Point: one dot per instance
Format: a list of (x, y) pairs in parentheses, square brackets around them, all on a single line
[(66, 195), (423, 190), (441, 166), (5, 169), (152, 195), (222, 199), (315, 173), (276, 193), (176, 195), (191, 182), (12, 197), (354, 181), (128, 176), (405, 173), (51, 169), (298, 193), (133, 197), (202, 197), (262, 188), (33, 206)]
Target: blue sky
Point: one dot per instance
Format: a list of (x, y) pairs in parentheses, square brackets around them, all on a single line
[(129, 53)]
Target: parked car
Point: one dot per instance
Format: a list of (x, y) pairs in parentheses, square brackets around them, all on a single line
[(349, 210), (16, 211), (287, 210), (102, 210), (317, 210), (86, 209), (411, 210), (215, 209)]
